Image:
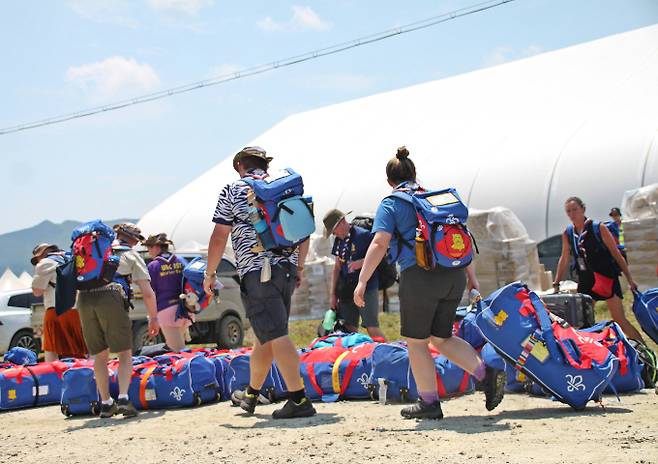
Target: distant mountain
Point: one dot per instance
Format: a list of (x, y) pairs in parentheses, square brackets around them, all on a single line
[(16, 247)]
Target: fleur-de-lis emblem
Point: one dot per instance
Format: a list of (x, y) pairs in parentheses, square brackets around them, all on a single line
[(575, 383), (177, 393), (363, 380)]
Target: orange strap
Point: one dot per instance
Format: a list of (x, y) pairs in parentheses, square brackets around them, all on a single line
[(142, 387)]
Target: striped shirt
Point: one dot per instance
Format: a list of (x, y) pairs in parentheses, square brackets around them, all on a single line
[(233, 210)]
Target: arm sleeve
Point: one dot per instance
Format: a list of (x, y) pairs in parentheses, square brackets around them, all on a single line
[(385, 217), (224, 209), (138, 268), (44, 273)]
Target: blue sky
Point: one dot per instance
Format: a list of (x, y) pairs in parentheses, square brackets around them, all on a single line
[(63, 56)]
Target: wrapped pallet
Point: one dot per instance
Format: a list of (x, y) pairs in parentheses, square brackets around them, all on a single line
[(311, 299), (506, 252), (640, 221)]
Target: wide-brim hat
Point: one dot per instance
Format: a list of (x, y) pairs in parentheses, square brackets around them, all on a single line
[(130, 230), (157, 239), (255, 152), (40, 250), (614, 212), (331, 220)]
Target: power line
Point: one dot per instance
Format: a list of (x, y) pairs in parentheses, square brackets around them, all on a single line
[(331, 50)]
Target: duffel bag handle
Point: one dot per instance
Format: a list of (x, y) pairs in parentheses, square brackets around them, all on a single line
[(546, 326)]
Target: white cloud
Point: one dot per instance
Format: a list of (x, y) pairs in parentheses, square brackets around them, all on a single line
[(498, 55), (113, 78), (303, 17), (186, 7), (504, 54), (105, 11)]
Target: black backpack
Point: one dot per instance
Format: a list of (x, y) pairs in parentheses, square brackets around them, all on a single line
[(388, 272)]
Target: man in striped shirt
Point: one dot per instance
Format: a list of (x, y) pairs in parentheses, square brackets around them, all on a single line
[(267, 303)]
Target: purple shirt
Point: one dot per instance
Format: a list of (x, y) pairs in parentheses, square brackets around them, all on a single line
[(166, 273)]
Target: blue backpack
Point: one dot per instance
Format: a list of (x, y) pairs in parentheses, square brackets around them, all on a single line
[(66, 284), (442, 238), (285, 215), (192, 284), (95, 262)]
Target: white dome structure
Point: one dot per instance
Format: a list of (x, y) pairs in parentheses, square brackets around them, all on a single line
[(523, 135)]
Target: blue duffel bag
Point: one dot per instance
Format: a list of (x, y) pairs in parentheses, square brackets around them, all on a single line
[(628, 378), (390, 363), (79, 393), (171, 381), (274, 388), (563, 361), (645, 308)]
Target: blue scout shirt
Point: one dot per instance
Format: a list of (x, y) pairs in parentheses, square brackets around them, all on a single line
[(397, 216), (354, 248)]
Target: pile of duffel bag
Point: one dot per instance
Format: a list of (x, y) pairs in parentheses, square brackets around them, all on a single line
[(162, 382), (24, 383), (546, 356)]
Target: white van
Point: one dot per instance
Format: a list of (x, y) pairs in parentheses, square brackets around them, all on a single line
[(15, 317)]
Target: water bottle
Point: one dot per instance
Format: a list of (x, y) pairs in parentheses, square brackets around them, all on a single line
[(329, 320), (262, 229), (474, 296), (383, 388)]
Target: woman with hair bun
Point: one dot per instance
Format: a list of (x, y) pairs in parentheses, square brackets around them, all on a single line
[(597, 261), (428, 298)]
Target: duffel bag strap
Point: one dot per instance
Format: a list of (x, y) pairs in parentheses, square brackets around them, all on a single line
[(546, 326), (313, 379), (142, 386), (527, 349)]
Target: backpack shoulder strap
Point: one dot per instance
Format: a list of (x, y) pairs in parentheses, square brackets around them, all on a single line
[(571, 236), (596, 226)]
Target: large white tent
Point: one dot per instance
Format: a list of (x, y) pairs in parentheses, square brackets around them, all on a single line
[(524, 135)]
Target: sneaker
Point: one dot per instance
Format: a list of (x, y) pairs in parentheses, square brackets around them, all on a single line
[(249, 402), (108, 410), (125, 407), (494, 387), (291, 410), (237, 395), (423, 410)]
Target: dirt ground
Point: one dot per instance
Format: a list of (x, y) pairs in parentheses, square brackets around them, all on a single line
[(521, 430)]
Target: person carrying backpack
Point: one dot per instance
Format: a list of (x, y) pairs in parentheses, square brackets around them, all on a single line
[(350, 248), (430, 291), (104, 308), (616, 228), (597, 262), (166, 271), (270, 245), (62, 334)]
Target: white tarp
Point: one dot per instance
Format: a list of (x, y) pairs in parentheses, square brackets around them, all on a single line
[(524, 135)]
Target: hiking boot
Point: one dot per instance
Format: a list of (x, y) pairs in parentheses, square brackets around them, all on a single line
[(291, 410), (423, 410), (108, 410), (494, 387), (248, 402), (125, 407)]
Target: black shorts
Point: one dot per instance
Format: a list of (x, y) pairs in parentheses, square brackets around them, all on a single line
[(428, 300), (586, 282), (268, 304)]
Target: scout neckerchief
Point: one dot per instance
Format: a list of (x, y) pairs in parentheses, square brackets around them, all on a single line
[(578, 243)]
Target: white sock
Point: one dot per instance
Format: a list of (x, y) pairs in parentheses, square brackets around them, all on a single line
[(123, 397), (108, 402)]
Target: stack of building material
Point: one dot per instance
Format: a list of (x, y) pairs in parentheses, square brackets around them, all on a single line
[(311, 299), (506, 253), (640, 221)]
